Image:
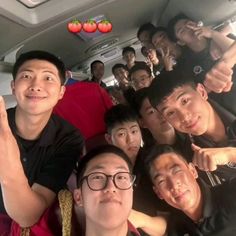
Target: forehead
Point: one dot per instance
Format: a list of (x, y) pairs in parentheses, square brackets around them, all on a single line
[(119, 70), (125, 125), (39, 64), (107, 161), (181, 23), (97, 65), (176, 94), (166, 161), (139, 73)]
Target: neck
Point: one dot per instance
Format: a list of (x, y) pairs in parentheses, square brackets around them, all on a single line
[(28, 126), (96, 230), (130, 64), (216, 129), (198, 45), (195, 213), (168, 137)]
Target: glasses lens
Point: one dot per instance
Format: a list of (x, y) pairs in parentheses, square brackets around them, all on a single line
[(123, 180), (97, 181)]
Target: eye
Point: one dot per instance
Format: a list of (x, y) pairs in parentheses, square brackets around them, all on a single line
[(135, 131), (160, 181), (121, 134), (184, 101), (25, 76), (97, 177), (169, 114)]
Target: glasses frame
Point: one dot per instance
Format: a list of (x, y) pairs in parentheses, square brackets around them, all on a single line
[(133, 177)]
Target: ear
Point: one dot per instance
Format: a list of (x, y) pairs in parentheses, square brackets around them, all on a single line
[(62, 91), (156, 191), (202, 91), (13, 87), (108, 138), (141, 123), (193, 170), (78, 197), (181, 43)]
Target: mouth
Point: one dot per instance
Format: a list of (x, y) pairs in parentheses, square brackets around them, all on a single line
[(180, 196), (110, 201), (34, 97)]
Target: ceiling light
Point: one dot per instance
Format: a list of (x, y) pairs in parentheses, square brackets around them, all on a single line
[(32, 3)]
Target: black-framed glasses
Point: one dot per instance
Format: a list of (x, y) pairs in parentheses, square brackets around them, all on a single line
[(98, 180)]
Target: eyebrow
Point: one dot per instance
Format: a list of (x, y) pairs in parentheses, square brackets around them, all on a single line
[(177, 98), (101, 167), (159, 174)]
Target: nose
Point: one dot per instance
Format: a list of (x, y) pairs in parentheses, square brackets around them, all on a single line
[(184, 116), (110, 186), (129, 138), (35, 85), (173, 184)]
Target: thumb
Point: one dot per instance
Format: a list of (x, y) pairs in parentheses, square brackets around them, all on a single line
[(195, 147)]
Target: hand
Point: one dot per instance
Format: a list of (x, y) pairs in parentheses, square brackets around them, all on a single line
[(215, 51), (9, 151), (200, 31), (219, 78), (168, 59), (208, 159)]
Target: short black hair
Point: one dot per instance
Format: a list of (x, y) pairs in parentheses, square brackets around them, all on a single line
[(158, 29), (146, 27), (156, 151), (144, 51), (118, 66), (139, 97), (84, 161), (119, 114), (40, 55), (140, 66), (95, 62), (166, 82), (171, 25), (128, 49)]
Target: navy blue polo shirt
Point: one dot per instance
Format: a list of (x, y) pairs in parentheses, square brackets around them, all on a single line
[(50, 159)]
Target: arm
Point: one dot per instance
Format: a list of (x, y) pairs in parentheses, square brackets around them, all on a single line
[(23, 204), (153, 226)]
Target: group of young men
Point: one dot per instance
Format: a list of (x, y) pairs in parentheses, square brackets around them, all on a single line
[(39, 151)]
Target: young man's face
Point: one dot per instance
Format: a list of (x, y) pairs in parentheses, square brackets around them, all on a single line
[(98, 71), (187, 110), (183, 33), (127, 136), (121, 76), (160, 40), (129, 57), (37, 87), (108, 208), (175, 181), (141, 79), (153, 120), (144, 38)]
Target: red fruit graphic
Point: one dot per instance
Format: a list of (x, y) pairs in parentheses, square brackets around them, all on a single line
[(90, 26), (74, 26), (105, 26)]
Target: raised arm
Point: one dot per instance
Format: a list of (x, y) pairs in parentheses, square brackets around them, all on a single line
[(23, 204)]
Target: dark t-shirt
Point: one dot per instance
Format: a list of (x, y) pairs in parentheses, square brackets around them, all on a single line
[(219, 214), (49, 160)]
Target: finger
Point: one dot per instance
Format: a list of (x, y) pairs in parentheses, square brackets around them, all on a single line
[(215, 85), (211, 164), (228, 87), (167, 51), (162, 52), (195, 147), (3, 116)]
